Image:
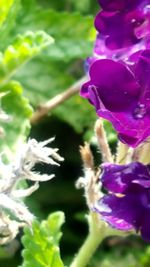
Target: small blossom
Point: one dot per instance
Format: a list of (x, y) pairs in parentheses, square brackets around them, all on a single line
[(122, 95), (127, 206)]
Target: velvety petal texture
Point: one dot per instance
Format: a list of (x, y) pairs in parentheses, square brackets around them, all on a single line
[(127, 206), (121, 94)]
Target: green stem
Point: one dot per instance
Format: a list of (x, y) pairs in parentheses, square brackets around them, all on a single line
[(96, 235)]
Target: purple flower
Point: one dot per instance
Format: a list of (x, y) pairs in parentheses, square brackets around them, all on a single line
[(122, 95), (122, 24), (127, 206)]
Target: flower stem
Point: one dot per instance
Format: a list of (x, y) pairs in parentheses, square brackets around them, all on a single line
[(145, 155), (97, 232), (102, 141), (122, 153), (56, 101)]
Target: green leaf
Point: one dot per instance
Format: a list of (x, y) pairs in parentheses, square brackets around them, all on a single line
[(8, 12), (41, 243), (43, 79), (5, 7), (82, 6), (23, 49), (145, 257), (53, 72), (42, 84), (19, 110), (72, 32)]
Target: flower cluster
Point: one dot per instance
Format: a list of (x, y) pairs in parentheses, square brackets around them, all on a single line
[(119, 85), (119, 89), (14, 214)]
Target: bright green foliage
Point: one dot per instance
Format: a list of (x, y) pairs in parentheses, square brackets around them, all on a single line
[(19, 110), (145, 258), (23, 49), (5, 6), (14, 103), (8, 13), (41, 243)]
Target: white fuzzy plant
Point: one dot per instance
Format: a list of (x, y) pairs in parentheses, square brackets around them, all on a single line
[(11, 196)]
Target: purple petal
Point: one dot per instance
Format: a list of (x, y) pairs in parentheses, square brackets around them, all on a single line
[(122, 213), (144, 183), (114, 85), (113, 5), (84, 92), (118, 98), (142, 74), (118, 178), (130, 140), (145, 229), (118, 28), (126, 54)]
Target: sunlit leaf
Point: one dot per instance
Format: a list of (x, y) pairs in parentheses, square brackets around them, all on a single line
[(41, 243), (73, 32), (20, 51)]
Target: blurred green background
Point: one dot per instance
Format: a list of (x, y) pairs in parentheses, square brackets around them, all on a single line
[(70, 22)]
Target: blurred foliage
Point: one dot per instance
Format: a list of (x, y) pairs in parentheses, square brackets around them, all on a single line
[(5, 7), (8, 12), (15, 55), (122, 252), (20, 51), (18, 127), (62, 63), (145, 258)]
